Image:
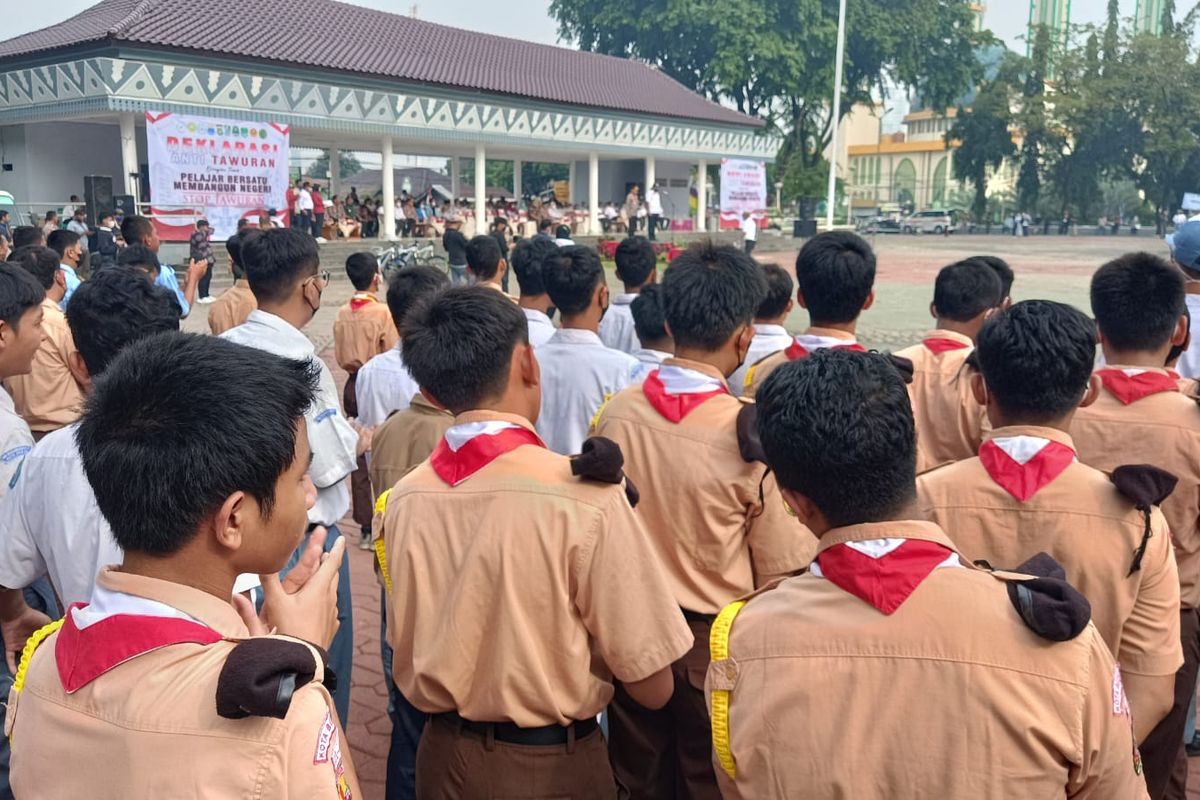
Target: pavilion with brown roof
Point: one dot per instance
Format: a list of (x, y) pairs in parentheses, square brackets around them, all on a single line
[(345, 77)]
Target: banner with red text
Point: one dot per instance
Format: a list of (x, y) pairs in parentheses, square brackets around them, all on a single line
[(743, 188), (217, 169)]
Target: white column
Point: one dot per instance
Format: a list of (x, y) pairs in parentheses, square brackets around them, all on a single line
[(387, 225), (701, 195), (571, 193), (335, 172), (129, 157), (593, 194), (455, 178), (651, 176), (518, 188), (480, 190)]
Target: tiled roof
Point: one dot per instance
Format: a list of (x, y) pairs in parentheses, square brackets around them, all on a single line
[(329, 35)]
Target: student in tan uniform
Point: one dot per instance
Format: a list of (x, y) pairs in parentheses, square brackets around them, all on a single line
[(518, 591), (50, 395), (835, 273), (1027, 493), (949, 422), (1140, 417), (706, 505), (362, 330), (487, 264), (893, 667), (165, 684), (234, 305)]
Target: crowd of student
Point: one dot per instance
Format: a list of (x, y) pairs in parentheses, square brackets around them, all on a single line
[(662, 549)]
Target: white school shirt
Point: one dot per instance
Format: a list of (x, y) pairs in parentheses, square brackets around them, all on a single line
[(540, 326), (383, 386), (15, 442), (616, 329), (654, 203), (651, 358), (767, 339), (1189, 362), (750, 229), (304, 201), (578, 374), (334, 442)]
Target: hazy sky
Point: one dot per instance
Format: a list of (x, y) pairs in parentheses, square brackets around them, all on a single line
[(528, 19)]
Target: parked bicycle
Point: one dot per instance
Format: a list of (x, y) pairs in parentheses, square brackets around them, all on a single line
[(400, 257)]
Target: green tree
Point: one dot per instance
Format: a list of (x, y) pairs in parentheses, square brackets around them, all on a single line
[(981, 136), (349, 165)]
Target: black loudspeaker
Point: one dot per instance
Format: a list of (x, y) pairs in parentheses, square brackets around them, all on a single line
[(804, 228), (124, 203), (144, 183), (97, 195)]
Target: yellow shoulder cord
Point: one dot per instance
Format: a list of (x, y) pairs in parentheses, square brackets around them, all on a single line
[(718, 643), (380, 547), (599, 413), (750, 376), (31, 644)]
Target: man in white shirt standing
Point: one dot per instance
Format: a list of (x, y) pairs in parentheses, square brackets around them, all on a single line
[(304, 205), (526, 262), (384, 385), (769, 334), (637, 267), (283, 268), (578, 372), (749, 231), (654, 211)]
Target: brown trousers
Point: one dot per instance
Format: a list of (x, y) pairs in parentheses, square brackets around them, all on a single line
[(667, 754), (1163, 757), (456, 764), (362, 500)]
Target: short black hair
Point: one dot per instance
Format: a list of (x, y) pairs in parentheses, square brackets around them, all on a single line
[(837, 427), (458, 344), (233, 246), (114, 309), (362, 268), (159, 417), (571, 276), (709, 291), (25, 235), (836, 271), (649, 317), (40, 262), (562, 232), (136, 230), (545, 225), (61, 239), (1137, 300), (276, 260), (636, 260), (483, 257), (19, 292), (408, 286), (1037, 358), (527, 258), (140, 257), (779, 292), (966, 289), (1003, 271)]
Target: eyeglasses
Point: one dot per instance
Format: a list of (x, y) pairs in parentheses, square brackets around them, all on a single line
[(323, 276)]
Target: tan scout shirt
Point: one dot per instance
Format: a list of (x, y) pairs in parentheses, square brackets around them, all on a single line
[(1164, 430), (519, 593), (404, 440), (148, 727), (758, 373), (362, 330), (48, 397), (232, 308), (951, 696), (1090, 528), (717, 523), (950, 423)]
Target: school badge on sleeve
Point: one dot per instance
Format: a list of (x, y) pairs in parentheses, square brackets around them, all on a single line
[(329, 748)]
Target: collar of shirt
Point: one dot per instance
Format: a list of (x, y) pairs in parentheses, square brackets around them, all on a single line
[(952, 336), (893, 529), (421, 404), (761, 329), (649, 356), (199, 605), (843, 337), (6, 402), (624, 299), (708, 372), (67, 268), (486, 415), (576, 336), (533, 315), (1036, 431), (278, 331)]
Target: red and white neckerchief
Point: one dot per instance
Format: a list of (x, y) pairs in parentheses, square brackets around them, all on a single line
[(466, 449), (361, 299), (1023, 465), (116, 627), (882, 572), (1131, 385), (938, 345), (677, 391), (807, 343)]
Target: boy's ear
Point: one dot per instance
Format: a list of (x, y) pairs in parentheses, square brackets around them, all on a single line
[(870, 300), (933, 311), (79, 370), (800, 298), (1093, 391), (1179, 338), (979, 389)]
